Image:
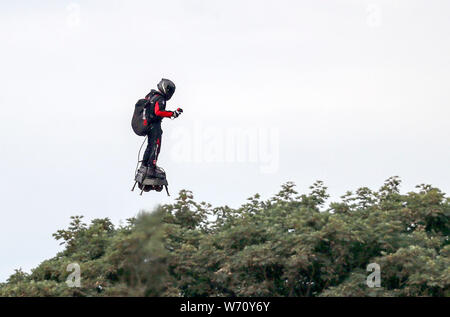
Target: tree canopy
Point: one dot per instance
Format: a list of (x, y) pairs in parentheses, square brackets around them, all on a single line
[(288, 245)]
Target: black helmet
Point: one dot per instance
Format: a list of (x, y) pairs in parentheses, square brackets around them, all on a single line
[(167, 88)]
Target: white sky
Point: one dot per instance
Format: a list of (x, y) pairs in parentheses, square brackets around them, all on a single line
[(348, 92)]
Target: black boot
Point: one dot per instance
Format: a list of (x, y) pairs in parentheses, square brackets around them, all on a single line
[(143, 170), (155, 172)]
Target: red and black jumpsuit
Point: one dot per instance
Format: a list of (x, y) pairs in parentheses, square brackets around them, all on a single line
[(155, 134)]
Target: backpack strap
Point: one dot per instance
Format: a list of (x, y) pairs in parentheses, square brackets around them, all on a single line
[(152, 94), (151, 100)]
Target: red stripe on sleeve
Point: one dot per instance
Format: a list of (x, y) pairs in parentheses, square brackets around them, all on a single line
[(160, 113)]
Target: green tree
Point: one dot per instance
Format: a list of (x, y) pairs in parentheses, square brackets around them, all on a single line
[(288, 245)]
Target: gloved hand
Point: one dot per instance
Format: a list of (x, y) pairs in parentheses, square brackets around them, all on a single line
[(177, 112)]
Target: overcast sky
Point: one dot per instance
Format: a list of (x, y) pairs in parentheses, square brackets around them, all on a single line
[(348, 92)]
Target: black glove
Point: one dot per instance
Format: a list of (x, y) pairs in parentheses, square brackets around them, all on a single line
[(177, 112)]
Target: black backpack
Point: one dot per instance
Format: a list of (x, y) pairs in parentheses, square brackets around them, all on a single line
[(143, 116)]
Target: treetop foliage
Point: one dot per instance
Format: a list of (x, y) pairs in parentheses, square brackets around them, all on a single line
[(288, 245)]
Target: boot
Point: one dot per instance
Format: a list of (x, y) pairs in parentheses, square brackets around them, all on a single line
[(143, 170), (155, 172)]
